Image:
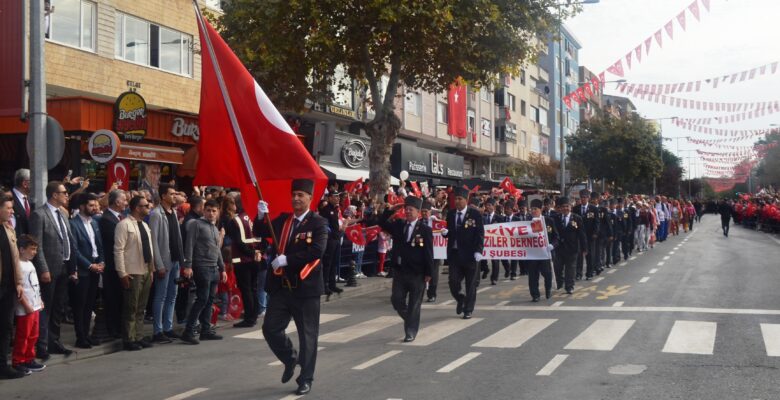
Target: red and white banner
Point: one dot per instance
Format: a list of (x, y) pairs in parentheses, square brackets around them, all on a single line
[(723, 132), (457, 125), (521, 240)]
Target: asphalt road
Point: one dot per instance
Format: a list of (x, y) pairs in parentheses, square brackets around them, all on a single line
[(698, 317)]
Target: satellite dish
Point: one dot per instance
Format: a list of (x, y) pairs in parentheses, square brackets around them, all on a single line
[(546, 90)]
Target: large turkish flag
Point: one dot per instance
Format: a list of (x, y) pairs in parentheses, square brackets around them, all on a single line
[(457, 124)]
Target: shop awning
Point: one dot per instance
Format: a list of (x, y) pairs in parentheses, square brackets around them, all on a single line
[(350, 175), (150, 153)]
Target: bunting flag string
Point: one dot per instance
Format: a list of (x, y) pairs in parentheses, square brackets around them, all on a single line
[(717, 142), (697, 85), (696, 104), (738, 152), (617, 69), (762, 111), (721, 132)]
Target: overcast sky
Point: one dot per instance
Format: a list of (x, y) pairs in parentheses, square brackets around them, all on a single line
[(735, 35)]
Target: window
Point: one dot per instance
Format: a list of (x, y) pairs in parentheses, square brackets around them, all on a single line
[(542, 116), (560, 89), (522, 107), (144, 43), (484, 94), (543, 143), (522, 77), (472, 120), (485, 127), (413, 103), (535, 145), (534, 114), (441, 112), (510, 101), (73, 23)]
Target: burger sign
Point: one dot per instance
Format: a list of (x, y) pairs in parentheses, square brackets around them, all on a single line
[(130, 116), (103, 145)]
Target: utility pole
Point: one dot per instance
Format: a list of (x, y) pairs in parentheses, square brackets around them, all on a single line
[(39, 171)]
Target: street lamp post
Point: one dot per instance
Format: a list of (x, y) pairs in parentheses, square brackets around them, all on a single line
[(560, 93), (661, 142)]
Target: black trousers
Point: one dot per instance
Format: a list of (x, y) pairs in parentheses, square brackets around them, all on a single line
[(565, 269), (432, 285), (206, 280), (246, 279), (616, 246), (536, 268), (460, 272), (112, 302), (406, 297), (330, 267), (83, 295), (305, 312), (724, 223), (592, 258), (55, 297), (7, 307), (603, 246), (510, 268), (628, 244)]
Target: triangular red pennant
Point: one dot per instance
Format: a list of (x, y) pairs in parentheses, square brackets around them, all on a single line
[(669, 29), (603, 78), (588, 90), (616, 68), (681, 19), (595, 83), (706, 4), (628, 60), (567, 100), (659, 38), (648, 42), (694, 7), (638, 53)]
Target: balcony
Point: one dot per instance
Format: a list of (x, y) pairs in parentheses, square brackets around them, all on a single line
[(502, 114), (545, 130)]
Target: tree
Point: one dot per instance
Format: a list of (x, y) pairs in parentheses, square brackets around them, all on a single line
[(293, 48), (545, 171), (622, 150), (669, 183), (768, 170)]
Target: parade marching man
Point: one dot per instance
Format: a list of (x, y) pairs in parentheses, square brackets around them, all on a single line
[(541, 267), (572, 243), (296, 283), (414, 262)]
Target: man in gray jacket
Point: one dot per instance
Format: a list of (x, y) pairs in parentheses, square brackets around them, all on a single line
[(203, 262), (168, 254)]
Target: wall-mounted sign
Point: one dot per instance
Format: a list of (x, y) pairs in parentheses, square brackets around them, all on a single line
[(103, 145), (182, 127), (344, 112), (353, 153), (130, 116), (425, 162)]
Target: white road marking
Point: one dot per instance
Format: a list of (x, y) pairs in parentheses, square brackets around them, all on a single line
[(484, 289), (623, 264), (440, 330), (353, 332), (691, 337), (448, 302), (774, 239), (661, 264), (187, 394), (377, 360), (291, 397), (556, 304), (771, 333), (513, 336), (652, 271), (602, 335), (612, 271), (645, 279), (666, 257), (599, 279), (457, 363), (551, 366), (258, 334), (503, 303), (700, 310), (633, 258), (618, 304), (671, 252)]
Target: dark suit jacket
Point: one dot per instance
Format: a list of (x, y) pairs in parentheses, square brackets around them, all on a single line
[(331, 215), (84, 247), (22, 222), (571, 238), (416, 255), (590, 218), (300, 251), (497, 218), (43, 227), (107, 225), (553, 237), (606, 223), (470, 236)]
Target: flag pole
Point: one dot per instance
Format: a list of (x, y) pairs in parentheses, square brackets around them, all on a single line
[(233, 121)]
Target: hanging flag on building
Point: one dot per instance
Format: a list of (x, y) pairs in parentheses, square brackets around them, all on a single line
[(457, 125)]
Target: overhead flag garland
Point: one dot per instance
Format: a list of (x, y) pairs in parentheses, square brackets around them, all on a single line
[(721, 132), (634, 57), (725, 119)]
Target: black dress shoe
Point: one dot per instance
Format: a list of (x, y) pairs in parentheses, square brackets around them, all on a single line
[(83, 344), (336, 290), (210, 336), (145, 342), (244, 324), (8, 372), (409, 338), (547, 294), (493, 282), (189, 338), (459, 307), (467, 315), (161, 338), (132, 346), (506, 274), (289, 371), (535, 299), (303, 388), (432, 299), (484, 274), (42, 355), (568, 291)]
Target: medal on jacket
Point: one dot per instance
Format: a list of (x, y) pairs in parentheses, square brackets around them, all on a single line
[(574, 224), (308, 237)]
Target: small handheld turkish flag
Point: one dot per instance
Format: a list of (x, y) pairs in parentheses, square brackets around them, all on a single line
[(355, 234), (372, 232)]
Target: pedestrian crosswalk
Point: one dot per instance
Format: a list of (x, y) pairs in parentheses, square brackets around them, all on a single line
[(602, 334)]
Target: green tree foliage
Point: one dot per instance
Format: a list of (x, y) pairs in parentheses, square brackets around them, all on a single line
[(669, 183), (768, 170), (293, 47), (622, 150)]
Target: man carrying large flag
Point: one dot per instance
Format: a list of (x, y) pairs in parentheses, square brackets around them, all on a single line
[(245, 143)]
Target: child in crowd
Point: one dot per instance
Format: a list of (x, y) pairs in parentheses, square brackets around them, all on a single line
[(27, 310)]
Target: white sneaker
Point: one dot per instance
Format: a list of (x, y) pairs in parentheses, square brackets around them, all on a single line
[(383, 273)]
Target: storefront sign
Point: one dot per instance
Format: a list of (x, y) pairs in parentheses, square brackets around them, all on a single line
[(344, 112), (103, 145), (130, 117), (424, 162), (148, 152), (182, 127), (353, 153)]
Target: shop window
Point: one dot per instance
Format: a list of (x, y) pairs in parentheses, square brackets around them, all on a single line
[(72, 23), (148, 44)]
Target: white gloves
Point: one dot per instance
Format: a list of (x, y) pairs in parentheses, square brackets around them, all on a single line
[(478, 257), (262, 209), (444, 231), (278, 262), (550, 247)]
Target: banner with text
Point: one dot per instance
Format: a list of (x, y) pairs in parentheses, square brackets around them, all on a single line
[(520, 240)]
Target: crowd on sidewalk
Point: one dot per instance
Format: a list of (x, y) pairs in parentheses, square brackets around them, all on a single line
[(159, 255)]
